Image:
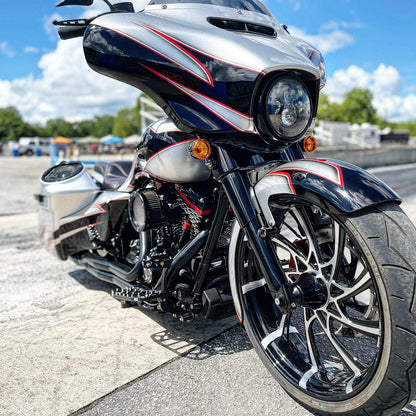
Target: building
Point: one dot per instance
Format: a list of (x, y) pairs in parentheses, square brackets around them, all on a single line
[(341, 134)]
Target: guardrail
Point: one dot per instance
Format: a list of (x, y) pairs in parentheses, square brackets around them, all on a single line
[(385, 156)]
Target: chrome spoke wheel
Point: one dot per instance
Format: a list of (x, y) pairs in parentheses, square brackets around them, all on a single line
[(328, 349)]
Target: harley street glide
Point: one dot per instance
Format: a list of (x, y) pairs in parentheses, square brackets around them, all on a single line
[(220, 212)]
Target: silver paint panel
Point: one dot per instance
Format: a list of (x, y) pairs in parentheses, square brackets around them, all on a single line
[(63, 198), (175, 164), (96, 206), (279, 181)]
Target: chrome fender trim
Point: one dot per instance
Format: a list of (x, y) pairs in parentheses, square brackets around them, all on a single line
[(231, 269)]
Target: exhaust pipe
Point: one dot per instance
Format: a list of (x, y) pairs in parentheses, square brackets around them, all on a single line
[(108, 277), (115, 268)]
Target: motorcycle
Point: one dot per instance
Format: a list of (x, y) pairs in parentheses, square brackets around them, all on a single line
[(223, 210)]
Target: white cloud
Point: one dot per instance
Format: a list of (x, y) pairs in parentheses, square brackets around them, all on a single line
[(67, 88), (386, 81), (334, 25), (325, 41), (5, 49), (385, 84), (31, 49), (346, 79)]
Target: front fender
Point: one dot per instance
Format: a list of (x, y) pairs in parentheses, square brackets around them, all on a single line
[(337, 186)]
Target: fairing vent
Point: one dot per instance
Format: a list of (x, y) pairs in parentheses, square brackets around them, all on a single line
[(240, 26)]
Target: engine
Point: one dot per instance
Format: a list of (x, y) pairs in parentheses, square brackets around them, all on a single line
[(171, 215)]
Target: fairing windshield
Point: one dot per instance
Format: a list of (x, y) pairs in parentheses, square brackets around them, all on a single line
[(249, 5)]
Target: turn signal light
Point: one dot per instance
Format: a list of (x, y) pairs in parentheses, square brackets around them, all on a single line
[(310, 144), (201, 149)]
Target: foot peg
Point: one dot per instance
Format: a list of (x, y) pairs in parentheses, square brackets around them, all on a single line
[(136, 295)]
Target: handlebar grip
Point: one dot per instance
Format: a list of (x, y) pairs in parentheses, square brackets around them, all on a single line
[(71, 32)]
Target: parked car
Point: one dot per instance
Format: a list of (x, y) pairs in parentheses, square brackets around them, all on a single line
[(29, 145)]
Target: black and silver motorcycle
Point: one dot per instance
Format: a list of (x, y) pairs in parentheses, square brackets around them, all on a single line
[(220, 211)]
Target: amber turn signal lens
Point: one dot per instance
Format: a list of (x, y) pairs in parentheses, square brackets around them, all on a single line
[(201, 149), (310, 144)]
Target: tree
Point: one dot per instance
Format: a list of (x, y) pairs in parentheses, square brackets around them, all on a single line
[(59, 127), (127, 122), (83, 128), (357, 107), (102, 125), (11, 124), (328, 110)]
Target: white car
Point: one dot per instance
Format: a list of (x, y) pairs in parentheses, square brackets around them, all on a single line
[(29, 145)]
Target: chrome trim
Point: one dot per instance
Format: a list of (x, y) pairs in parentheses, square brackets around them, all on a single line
[(305, 378), (279, 181), (231, 269), (268, 186), (278, 333), (253, 285)]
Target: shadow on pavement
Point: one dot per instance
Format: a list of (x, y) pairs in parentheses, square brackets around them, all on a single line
[(177, 337), (90, 282)]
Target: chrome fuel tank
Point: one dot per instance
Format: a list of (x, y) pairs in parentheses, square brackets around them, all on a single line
[(166, 150)]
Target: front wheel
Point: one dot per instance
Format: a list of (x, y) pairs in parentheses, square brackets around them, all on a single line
[(352, 349)]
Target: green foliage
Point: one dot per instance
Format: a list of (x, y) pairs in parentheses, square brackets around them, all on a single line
[(355, 108), (102, 125), (60, 127), (11, 124), (127, 122)]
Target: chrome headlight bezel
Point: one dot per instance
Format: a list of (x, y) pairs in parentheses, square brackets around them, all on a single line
[(287, 108)]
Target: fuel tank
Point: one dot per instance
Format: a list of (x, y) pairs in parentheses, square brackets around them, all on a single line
[(164, 153), (202, 65)]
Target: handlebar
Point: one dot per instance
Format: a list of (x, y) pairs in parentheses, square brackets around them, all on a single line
[(76, 27), (72, 28)]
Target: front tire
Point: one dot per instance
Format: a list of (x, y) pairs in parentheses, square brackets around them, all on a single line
[(355, 353)]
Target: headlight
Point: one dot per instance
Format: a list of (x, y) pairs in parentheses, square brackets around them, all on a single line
[(288, 108)]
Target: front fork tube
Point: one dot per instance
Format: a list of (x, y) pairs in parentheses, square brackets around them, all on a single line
[(236, 186)]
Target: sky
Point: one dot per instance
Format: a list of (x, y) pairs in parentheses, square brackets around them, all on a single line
[(365, 43)]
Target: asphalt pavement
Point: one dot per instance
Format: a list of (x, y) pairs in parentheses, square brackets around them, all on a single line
[(68, 348)]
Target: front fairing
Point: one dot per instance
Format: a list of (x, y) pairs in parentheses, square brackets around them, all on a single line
[(189, 23), (205, 77)]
